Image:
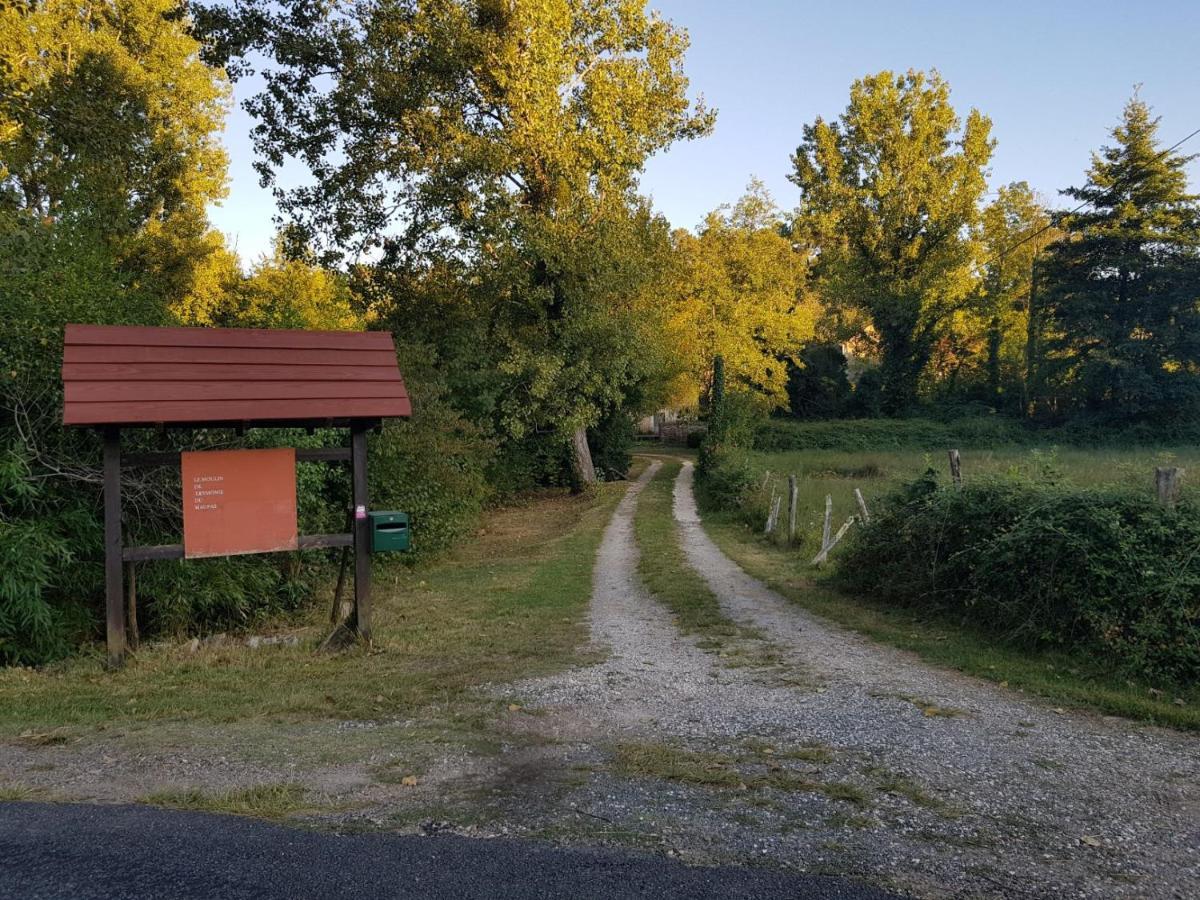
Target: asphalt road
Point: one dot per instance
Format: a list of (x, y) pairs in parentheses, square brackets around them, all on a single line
[(112, 852)]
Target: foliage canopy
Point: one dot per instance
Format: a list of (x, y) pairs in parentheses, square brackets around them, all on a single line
[(1122, 316), (889, 193)]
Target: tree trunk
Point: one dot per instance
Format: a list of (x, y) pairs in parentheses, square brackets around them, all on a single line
[(994, 338), (1032, 344), (581, 459)]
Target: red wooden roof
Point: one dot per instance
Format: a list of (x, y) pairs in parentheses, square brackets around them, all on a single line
[(125, 375)]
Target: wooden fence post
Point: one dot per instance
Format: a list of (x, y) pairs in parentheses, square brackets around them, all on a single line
[(1168, 483), (773, 517), (862, 506), (114, 601), (825, 531), (956, 468), (793, 497), (841, 533), (362, 532)]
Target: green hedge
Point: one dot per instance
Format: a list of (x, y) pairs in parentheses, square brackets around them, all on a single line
[(981, 432), (1105, 569), (888, 434)]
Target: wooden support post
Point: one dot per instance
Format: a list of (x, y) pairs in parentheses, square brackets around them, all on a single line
[(841, 533), (862, 507), (825, 531), (131, 622), (362, 533), (340, 611), (793, 496), (773, 519), (1168, 483), (114, 601), (956, 468)]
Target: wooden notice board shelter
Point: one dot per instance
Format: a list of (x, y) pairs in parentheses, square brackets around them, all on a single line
[(117, 377)]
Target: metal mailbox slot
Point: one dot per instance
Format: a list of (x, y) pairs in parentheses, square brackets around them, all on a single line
[(389, 531)]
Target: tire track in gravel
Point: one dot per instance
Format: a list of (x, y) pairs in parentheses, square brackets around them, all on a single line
[(649, 666), (654, 681), (941, 807), (1082, 805)]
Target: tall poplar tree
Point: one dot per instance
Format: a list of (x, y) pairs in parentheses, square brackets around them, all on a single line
[(1014, 229), (889, 193)]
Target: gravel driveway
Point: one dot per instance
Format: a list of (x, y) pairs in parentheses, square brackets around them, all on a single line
[(831, 756), (931, 781)]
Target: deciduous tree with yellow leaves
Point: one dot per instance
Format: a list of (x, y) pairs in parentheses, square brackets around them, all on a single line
[(890, 193), (740, 294)]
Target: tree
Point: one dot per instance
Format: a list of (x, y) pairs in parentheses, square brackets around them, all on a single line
[(495, 139), (282, 292), (819, 386), (109, 125), (741, 296), (1014, 229), (1123, 289), (889, 193), (108, 157)]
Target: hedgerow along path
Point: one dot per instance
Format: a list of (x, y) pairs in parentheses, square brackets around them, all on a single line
[(874, 765)]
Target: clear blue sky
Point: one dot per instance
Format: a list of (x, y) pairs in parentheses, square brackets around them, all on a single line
[(1053, 76)]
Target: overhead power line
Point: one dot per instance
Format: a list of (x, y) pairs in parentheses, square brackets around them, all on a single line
[(1029, 237)]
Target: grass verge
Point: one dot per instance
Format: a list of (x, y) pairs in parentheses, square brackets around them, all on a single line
[(510, 604), (664, 568), (721, 770), (264, 801), (1060, 677)]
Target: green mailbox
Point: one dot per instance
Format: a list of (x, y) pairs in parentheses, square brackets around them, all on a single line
[(389, 531)]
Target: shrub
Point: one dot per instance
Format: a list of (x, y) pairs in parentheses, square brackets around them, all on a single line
[(743, 415), (535, 460), (198, 596), (32, 550), (1037, 563), (611, 442), (726, 483), (433, 466), (51, 574)]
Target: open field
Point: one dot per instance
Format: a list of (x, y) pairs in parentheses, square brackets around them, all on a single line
[(838, 473)]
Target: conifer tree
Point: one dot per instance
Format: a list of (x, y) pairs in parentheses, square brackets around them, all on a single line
[(1123, 329)]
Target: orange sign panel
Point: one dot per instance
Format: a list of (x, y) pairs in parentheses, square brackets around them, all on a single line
[(238, 501)]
